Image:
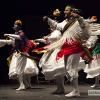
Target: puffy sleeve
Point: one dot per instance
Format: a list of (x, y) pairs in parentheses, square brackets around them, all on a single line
[(91, 41), (18, 37), (95, 32), (3, 42), (41, 40), (82, 22), (52, 22), (58, 26), (85, 27), (55, 36)]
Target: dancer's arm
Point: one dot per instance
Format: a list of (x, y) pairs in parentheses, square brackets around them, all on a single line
[(54, 23), (81, 21), (3, 42), (13, 36), (91, 41), (55, 36), (95, 32), (50, 21), (41, 40)]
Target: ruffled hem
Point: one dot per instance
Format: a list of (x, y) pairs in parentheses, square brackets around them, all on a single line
[(50, 74), (93, 72)]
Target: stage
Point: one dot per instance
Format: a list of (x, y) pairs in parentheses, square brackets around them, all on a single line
[(43, 92)]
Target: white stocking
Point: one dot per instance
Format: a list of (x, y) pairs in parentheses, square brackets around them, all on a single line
[(22, 86), (57, 82), (75, 91), (60, 82), (97, 80), (28, 80), (75, 84)]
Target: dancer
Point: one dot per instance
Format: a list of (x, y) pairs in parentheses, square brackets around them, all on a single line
[(73, 28), (19, 62), (93, 68), (50, 67)]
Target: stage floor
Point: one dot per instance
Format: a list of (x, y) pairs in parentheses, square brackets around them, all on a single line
[(43, 92)]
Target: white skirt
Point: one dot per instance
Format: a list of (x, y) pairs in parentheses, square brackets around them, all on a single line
[(93, 68), (22, 65), (51, 67)]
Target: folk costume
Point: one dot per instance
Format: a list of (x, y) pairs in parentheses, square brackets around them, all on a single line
[(93, 68), (21, 66), (70, 47), (50, 67)]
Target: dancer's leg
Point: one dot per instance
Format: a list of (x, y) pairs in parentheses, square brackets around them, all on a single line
[(96, 82), (72, 62), (75, 91), (26, 81), (21, 63), (28, 78), (60, 85), (22, 86)]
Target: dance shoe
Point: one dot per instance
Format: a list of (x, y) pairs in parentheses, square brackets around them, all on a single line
[(58, 92), (21, 88), (95, 86), (73, 94)]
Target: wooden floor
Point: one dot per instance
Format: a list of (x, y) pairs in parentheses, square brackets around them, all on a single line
[(43, 92)]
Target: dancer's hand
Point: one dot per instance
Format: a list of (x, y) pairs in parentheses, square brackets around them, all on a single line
[(45, 37), (6, 35), (45, 18), (36, 40), (75, 15)]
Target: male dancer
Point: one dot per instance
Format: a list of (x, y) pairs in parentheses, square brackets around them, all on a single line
[(73, 28)]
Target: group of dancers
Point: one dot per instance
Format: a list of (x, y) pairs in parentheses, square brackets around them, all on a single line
[(70, 43)]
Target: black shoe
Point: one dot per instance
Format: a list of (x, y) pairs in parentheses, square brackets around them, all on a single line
[(58, 92)]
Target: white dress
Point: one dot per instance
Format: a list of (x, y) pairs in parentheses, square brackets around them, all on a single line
[(93, 68), (29, 66), (51, 67)]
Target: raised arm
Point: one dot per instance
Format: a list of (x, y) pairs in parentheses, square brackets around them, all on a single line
[(55, 24), (81, 21)]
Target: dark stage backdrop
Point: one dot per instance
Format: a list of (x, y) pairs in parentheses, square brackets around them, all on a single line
[(31, 12)]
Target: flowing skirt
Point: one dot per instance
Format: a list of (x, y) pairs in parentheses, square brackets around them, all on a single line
[(93, 68), (50, 66), (22, 65)]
